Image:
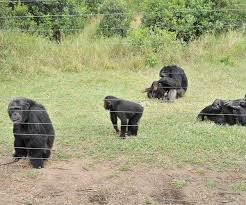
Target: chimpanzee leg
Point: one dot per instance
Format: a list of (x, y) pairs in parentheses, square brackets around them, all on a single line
[(123, 128), (46, 153), (36, 158), (37, 155), (180, 92), (172, 95), (113, 118), (133, 124)]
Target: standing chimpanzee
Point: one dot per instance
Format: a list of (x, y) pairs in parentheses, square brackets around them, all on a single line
[(32, 129), (128, 112), (174, 80)]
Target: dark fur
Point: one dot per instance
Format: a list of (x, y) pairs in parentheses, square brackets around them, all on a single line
[(21, 113), (156, 91), (128, 112), (225, 112), (173, 79)]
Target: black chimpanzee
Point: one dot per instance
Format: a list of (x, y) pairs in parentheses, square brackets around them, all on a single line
[(128, 112), (32, 129), (225, 112), (174, 80), (238, 109), (213, 113)]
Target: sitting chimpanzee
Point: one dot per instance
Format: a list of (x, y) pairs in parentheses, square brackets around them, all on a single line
[(128, 112), (173, 84), (174, 80), (32, 129), (225, 112)]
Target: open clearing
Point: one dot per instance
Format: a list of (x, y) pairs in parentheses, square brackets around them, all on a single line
[(84, 182), (174, 160)]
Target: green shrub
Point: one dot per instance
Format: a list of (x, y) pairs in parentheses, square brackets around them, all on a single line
[(116, 20), (93, 5), (191, 19), (156, 40), (152, 60), (43, 17)]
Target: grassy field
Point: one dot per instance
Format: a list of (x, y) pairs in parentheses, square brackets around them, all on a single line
[(72, 83), (175, 159)]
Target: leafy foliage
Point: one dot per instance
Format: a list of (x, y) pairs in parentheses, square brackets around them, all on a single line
[(43, 17), (156, 40), (192, 18), (116, 20), (93, 5)]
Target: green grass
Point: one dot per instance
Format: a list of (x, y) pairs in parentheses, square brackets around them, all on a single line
[(72, 79), (239, 187), (178, 183), (211, 184), (32, 173)]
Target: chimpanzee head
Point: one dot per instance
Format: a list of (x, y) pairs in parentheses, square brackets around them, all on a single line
[(18, 110), (109, 101), (155, 85), (243, 103), (217, 105)]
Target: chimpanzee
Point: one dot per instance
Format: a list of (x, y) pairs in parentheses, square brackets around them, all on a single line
[(156, 91), (32, 129), (238, 109), (225, 112), (213, 113), (128, 112), (174, 80)]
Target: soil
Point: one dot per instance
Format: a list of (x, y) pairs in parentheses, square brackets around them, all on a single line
[(77, 182)]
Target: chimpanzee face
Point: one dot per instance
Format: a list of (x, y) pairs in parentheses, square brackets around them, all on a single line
[(243, 103), (217, 104), (155, 85), (18, 110)]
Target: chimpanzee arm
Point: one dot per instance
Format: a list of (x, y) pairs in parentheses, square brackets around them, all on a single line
[(170, 82), (206, 111), (19, 142), (113, 118), (123, 119)]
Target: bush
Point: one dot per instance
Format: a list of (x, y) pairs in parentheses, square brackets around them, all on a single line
[(156, 40), (191, 19), (44, 17), (93, 5), (116, 20)]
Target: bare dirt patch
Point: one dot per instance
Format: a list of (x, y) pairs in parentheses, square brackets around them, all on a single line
[(106, 183)]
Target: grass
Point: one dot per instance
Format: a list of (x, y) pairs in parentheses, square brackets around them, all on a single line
[(32, 173), (211, 184), (239, 187), (178, 183), (149, 201), (72, 79)]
